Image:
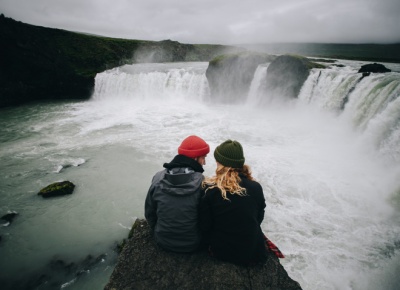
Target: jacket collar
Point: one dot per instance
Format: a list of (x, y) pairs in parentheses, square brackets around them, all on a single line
[(184, 161)]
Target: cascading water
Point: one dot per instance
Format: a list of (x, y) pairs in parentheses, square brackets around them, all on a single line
[(370, 104), (169, 81), (332, 192)]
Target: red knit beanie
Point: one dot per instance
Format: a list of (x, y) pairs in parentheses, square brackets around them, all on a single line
[(193, 146)]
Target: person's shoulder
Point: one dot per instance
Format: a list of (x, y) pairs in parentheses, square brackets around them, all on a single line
[(252, 185), (159, 175), (209, 192), (250, 182)]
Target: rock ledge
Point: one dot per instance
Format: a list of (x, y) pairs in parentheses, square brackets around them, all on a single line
[(143, 265)]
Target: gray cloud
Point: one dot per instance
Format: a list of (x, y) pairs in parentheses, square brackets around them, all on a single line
[(218, 21)]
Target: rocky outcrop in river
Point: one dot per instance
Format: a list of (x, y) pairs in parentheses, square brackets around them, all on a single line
[(287, 74), (143, 265), (229, 76)]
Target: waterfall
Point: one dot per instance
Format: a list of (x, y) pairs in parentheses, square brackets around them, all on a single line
[(369, 104), (329, 88), (257, 86), (154, 81)]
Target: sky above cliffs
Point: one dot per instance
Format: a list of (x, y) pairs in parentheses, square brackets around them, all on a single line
[(218, 21)]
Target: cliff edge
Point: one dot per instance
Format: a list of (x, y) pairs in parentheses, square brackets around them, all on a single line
[(143, 265)]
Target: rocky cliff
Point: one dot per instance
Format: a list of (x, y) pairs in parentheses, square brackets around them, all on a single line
[(38, 63), (143, 265), (229, 76), (287, 74)]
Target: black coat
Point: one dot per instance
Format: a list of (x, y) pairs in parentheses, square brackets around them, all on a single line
[(232, 227)]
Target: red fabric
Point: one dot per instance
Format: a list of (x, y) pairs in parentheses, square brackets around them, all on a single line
[(193, 146), (271, 247)]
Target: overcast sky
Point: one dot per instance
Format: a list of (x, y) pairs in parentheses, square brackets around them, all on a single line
[(218, 21)]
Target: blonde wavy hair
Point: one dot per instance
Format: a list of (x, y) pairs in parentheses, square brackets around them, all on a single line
[(227, 179)]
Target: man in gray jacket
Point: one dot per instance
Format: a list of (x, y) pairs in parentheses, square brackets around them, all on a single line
[(171, 206)]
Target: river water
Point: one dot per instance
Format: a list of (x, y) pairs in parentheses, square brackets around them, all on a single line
[(330, 176)]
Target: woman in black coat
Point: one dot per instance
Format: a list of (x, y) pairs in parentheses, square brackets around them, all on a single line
[(232, 209)]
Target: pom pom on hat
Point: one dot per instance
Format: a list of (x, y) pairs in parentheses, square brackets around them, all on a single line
[(230, 154), (193, 146)]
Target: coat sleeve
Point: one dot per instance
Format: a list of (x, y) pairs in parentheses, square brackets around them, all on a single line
[(150, 208), (262, 205)]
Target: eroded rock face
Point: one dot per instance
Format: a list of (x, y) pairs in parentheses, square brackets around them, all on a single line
[(286, 75), (229, 76), (143, 265)]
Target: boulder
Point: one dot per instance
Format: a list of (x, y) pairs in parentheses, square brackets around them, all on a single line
[(57, 189), (229, 76), (8, 218), (287, 74), (143, 265), (373, 68)]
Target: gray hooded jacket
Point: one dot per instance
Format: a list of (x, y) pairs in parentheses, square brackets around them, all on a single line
[(171, 206)]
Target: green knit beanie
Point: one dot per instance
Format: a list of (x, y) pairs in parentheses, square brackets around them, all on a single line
[(230, 154)]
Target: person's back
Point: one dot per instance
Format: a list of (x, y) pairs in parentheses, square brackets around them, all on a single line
[(232, 209), (235, 234), (171, 206)]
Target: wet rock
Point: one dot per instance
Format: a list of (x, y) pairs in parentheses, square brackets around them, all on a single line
[(287, 74), (143, 265), (8, 218), (373, 68), (229, 76), (57, 189)]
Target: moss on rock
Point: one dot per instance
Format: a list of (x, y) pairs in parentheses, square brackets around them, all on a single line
[(57, 189)]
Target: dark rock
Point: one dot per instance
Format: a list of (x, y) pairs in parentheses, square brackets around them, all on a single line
[(373, 68), (229, 76), (57, 189), (287, 74), (143, 265), (9, 217)]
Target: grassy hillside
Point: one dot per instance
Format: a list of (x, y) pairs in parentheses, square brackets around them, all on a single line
[(38, 63)]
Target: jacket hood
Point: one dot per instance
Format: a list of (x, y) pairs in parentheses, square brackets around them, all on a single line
[(183, 161)]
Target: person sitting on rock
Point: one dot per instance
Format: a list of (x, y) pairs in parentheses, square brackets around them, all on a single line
[(232, 209), (171, 205)]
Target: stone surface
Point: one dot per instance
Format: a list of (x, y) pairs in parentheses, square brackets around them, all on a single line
[(57, 189), (143, 265), (229, 76), (373, 68), (9, 217), (286, 75)]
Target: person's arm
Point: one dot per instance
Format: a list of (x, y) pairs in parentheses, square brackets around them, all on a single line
[(262, 205), (150, 208)]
